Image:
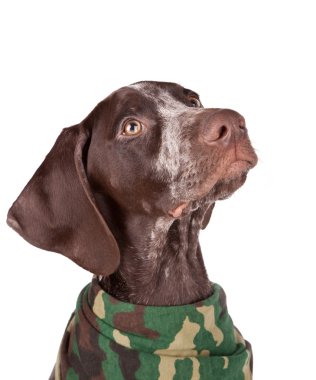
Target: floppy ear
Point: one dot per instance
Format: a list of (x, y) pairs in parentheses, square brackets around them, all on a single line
[(56, 210)]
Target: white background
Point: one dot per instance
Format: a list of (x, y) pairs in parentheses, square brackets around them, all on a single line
[(58, 59)]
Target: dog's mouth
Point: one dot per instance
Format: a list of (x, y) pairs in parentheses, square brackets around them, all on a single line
[(238, 168), (219, 188)]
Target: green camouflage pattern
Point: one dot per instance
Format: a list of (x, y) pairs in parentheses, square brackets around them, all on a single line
[(109, 339)]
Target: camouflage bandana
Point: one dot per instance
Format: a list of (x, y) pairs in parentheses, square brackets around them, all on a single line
[(109, 339)]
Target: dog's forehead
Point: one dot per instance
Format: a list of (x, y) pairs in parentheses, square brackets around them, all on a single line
[(168, 97), (152, 88)]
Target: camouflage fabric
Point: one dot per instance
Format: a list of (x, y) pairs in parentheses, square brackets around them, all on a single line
[(109, 339)]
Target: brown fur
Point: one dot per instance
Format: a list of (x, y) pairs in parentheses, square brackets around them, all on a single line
[(130, 208)]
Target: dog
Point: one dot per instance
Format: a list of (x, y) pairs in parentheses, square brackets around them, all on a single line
[(124, 195)]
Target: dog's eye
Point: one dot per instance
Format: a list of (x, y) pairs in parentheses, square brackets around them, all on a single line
[(194, 102), (132, 128)]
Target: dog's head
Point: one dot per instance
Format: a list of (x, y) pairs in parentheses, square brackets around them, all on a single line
[(151, 148)]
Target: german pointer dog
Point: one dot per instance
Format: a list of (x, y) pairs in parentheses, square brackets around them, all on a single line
[(124, 195)]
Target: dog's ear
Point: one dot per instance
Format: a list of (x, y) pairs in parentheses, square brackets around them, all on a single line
[(57, 212), (207, 215)]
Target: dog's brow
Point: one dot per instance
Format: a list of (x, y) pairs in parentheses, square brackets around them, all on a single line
[(189, 92)]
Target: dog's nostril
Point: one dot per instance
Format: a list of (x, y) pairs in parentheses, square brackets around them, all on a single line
[(223, 131), (216, 133), (223, 127)]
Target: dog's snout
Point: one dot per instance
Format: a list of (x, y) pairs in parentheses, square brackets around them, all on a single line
[(223, 126)]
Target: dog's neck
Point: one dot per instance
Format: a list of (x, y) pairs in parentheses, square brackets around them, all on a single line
[(161, 261)]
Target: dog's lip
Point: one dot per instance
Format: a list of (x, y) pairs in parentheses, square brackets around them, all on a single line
[(235, 171), (242, 165), (249, 157), (238, 168)]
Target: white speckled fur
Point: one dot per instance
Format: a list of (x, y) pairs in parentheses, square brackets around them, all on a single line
[(175, 151), (174, 155)]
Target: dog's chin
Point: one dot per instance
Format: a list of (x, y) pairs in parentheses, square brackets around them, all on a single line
[(231, 180), (215, 189), (226, 187)]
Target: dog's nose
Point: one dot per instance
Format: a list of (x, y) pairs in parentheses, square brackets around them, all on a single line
[(224, 125)]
